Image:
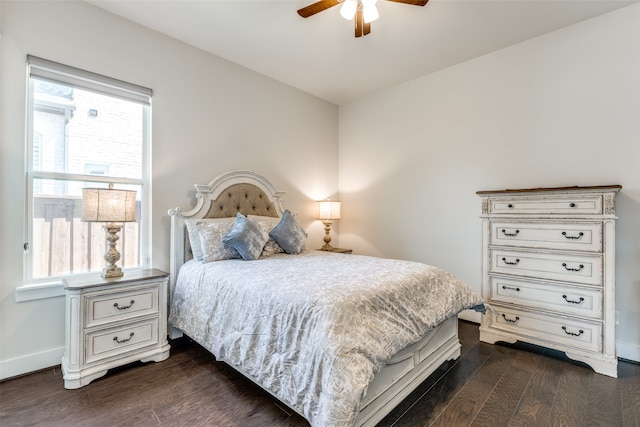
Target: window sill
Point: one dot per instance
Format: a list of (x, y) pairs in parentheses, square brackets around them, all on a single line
[(39, 291)]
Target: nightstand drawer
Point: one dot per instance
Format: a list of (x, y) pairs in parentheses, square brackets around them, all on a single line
[(556, 297), (585, 269), (111, 307), (562, 236), (102, 344), (548, 204), (558, 330)]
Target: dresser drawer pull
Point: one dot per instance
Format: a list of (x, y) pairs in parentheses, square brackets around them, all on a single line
[(510, 288), (579, 301), (123, 340), (124, 307), (510, 206), (573, 334), (511, 262), (579, 236), (564, 264), (573, 205), (509, 234), (510, 320)]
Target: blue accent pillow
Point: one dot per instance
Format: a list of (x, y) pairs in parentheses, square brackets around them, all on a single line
[(288, 234), (246, 237)]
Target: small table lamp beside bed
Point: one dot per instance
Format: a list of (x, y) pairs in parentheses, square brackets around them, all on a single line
[(340, 339)]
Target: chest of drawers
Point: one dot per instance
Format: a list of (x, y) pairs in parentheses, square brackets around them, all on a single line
[(548, 268), (112, 322)]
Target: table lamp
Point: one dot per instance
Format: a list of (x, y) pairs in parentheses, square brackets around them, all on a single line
[(328, 211), (112, 207)]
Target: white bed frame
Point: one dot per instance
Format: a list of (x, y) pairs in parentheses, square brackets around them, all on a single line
[(396, 380)]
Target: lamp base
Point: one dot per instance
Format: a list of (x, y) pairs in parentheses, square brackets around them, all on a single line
[(327, 247), (327, 236), (111, 272), (111, 256)]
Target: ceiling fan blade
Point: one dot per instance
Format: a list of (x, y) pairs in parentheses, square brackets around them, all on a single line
[(362, 28), (317, 7), (359, 23), (413, 2)]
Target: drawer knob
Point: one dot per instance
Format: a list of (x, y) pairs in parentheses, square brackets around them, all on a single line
[(573, 334), (564, 264), (124, 307), (511, 262), (510, 206), (510, 288), (123, 340), (578, 301), (510, 320), (510, 234), (573, 205), (579, 236)]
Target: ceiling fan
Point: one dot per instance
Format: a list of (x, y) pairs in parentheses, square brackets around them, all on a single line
[(364, 11)]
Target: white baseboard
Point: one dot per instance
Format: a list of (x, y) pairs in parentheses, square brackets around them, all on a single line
[(30, 363), (470, 315), (628, 351)]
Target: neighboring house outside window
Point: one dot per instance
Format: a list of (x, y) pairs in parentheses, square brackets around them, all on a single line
[(84, 130)]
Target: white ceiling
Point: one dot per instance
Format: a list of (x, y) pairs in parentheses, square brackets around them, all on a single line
[(320, 54)]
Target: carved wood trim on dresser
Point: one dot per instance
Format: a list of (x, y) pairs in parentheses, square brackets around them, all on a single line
[(548, 268)]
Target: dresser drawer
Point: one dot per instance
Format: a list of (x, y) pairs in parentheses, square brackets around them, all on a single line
[(547, 205), (553, 297), (105, 343), (563, 236), (585, 268), (567, 332), (108, 307)]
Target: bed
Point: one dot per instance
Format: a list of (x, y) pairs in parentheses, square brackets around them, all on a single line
[(339, 338)]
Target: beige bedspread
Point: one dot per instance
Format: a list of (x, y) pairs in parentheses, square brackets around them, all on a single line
[(314, 328)]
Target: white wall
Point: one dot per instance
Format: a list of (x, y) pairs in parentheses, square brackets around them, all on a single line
[(558, 110), (209, 116)]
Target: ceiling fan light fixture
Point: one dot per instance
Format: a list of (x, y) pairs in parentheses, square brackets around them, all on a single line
[(348, 9), (370, 11)]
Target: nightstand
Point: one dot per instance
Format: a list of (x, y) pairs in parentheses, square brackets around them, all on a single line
[(338, 250), (113, 322)]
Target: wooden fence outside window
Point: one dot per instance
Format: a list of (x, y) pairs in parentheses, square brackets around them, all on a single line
[(64, 244)]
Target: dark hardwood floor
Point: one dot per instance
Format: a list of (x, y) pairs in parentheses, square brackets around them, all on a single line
[(489, 385)]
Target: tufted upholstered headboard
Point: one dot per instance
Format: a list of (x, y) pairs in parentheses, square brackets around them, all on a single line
[(247, 199), (237, 191)]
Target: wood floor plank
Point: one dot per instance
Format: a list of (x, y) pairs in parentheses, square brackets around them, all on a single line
[(503, 400), (604, 407), (570, 404), (501, 404), (465, 405), (535, 406)]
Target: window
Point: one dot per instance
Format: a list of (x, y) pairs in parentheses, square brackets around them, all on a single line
[(84, 130)]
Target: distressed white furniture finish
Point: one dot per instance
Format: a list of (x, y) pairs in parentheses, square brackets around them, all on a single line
[(548, 267), (112, 322)]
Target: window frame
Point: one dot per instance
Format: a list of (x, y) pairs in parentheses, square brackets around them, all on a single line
[(42, 69)]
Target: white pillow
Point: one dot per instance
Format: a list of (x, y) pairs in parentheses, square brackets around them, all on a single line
[(194, 236), (211, 234), (266, 224)]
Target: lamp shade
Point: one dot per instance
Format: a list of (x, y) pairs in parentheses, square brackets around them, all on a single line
[(328, 209), (108, 205)]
